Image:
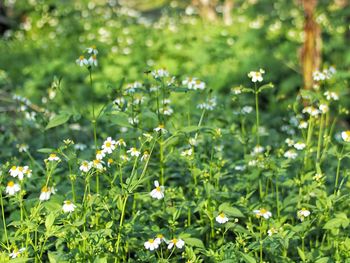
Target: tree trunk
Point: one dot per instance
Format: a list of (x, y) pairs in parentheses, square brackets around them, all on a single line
[(311, 50), (206, 9), (227, 9)]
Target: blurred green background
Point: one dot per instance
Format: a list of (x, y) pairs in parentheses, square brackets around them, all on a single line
[(216, 41)]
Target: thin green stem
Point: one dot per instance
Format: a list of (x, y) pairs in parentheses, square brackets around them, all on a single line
[(257, 115), (4, 221), (121, 222)]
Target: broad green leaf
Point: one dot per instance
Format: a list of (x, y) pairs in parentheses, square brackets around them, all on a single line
[(301, 254), (247, 258), (194, 242), (58, 120), (230, 210), (50, 219)]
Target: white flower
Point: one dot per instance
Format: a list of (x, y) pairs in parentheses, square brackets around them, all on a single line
[(262, 212), (120, 142), (148, 137), (272, 231), (330, 95), (145, 156), (256, 75), (151, 244), (346, 136), (85, 166), (119, 102), (160, 73), (290, 154), (97, 164), (82, 61), (303, 125), (166, 110), (159, 239), (68, 206), (46, 193), (240, 167), (289, 142), (109, 145), (53, 158), (133, 121), (100, 154), (22, 147), (93, 61), (246, 109), (158, 191), (236, 90), (210, 104), (15, 253), (12, 188), (124, 157), (299, 146), (303, 213), (187, 153), (312, 111), (20, 171), (221, 218), (133, 152), (92, 50), (179, 243), (160, 128), (257, 149), (318, 76), (324, 108), (110, 161)]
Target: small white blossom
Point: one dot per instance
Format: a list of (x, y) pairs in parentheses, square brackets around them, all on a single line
[(15, 253), (246, 109), (303, 125), (303, 213), (300, 146), (272, 231), (92, 50), (12, 188), (133, 152), (82, 61), (158, 191), (290, 154), (160, 128), (221, 218), (85, 166), (324, 108), (187, 153), (97, 164), (68, 206), (93, 61), (46, 193), (120, 142), (53, 158), (330, 95), (151, 244), (109, 145), (262, 212), (289, 142), (346, 136), (160, 73), (256, 76), (179, 243)]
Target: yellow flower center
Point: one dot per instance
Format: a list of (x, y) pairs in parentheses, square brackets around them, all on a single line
[(222, 215), (160, 236), (53, 155), (94, 57), (96, 162), (347, 133), (151, 241), (45, 189), (10, 184), (108, 144), (263, 211), (81, 58), (20, 169), (13, 168), (174, 241), (110, 160), (161, 126), (158, 189), (98, 152), (67, 202), (93, 47)]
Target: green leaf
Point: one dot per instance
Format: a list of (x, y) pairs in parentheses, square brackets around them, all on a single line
[(194, 242), (50, 219), (266, 86), (46, 150), (323, 260), (58, 120), (301, 254), (189, 129), (230, 210), (120, 119), (247, 258)]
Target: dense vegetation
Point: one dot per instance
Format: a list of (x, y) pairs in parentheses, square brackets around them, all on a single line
[(152, 131)]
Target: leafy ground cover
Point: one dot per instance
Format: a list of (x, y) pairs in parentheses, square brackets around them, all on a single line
[(177, 154)]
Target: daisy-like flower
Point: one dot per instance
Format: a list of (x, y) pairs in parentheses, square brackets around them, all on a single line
[(120, 142), (133, 152), (209, 105), (289, 142), (187, 153), (236, 90), (257, 149), (256, 76), (303, 213), (246, 109), (12, 188), (166, 110), (109, 145), (221, 218), (158, 191), (160, 73), (272, 231), (312, 111), (262, 212), (331, 95), (100, 154), (300, 146), (110, 161), (85, 166), (20, 171), (179, 243), (45, 193), (346, 136), (15, 253), (148, 137), (53, 158), (124, 158), (145, 156), (302, 125), (324, 108), (160, 128), (318, 76), (151, 244), (93, 61), (68, 206), (92, 50), (22, 147), (198, 85), (159, 239), (290, 154), (97, 164), (82, 61)]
